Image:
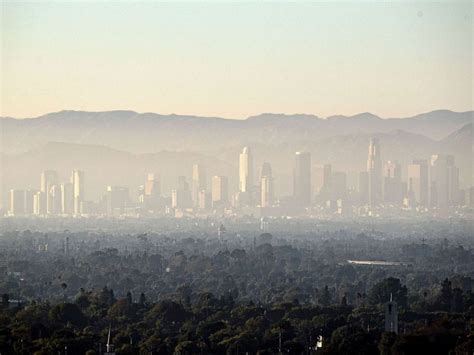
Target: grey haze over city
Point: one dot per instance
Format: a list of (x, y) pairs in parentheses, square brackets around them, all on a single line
[(122, 149)]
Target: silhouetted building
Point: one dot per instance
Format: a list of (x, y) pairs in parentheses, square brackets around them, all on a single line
[(391, 316), (181, 196), (117, 199)]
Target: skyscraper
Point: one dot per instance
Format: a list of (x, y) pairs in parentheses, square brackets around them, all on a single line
[(245, 170), (204, 200), (39, 203), (364, 187), (266, 186), (29, 201), (17, 202), (444, 181), (117, 199), (302, 179), (77, 180), (152, 185), (181, 196), (198, 183), (374, 170), (55, 195), (392, 182), (48, 179), (417, 176), (67, 199), (322, 180), (220, 191)]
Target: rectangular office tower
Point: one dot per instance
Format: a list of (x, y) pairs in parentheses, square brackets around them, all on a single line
[(198, 183), (417, 175), (374, 171), (48, 179), (444, 181), (245, 170), (392, 183), (220, 191), (17, 202), (266, 186), (77, 180), (67, 199), (302, 179)]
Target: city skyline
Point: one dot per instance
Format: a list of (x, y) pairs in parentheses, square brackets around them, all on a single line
[(431, 184)]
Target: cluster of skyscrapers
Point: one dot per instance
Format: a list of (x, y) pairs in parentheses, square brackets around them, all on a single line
[(429, 184), (52, 198)]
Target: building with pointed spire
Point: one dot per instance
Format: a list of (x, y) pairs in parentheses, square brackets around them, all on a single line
[(374, 171), (391, 316)]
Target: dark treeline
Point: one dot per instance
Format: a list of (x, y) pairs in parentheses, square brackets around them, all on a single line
[(213, 325), (190, 291)]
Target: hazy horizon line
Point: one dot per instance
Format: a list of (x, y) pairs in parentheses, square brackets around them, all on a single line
[(239, 119)]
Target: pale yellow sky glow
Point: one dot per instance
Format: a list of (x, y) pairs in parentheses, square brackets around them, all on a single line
[(235, 60)]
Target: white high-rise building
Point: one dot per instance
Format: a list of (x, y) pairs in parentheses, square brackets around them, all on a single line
[(17, 202), (67, 199), (77, 180), (48, 179), (39, 203), (245, 170)]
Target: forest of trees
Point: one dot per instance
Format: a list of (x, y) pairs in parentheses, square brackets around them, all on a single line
[(190, 292)]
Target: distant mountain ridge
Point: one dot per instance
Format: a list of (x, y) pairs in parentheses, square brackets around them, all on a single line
[(150, 132)]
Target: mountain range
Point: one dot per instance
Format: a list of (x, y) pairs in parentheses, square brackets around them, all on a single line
[(119, 147)]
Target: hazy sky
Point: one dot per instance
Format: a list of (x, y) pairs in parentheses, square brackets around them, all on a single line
[(236, 59)]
